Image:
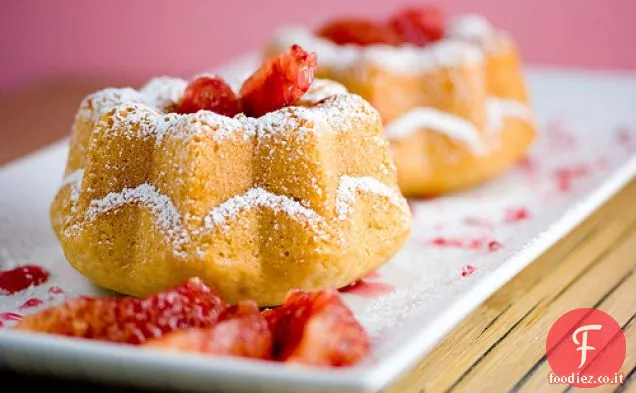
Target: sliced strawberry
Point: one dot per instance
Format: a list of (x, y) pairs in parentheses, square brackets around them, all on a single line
[(240, 309), (317, 329), (131, 320), (279, 82), (359, 32), (419, 26), (241, 331), (209, 93)]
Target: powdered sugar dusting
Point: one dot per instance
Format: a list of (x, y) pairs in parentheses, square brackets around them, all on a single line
[(143, 112), (395, 307), (402, 59), (327, 107), (348, 187), (477, 30), (321, 89), (467, 39), (497, 109), (159, 93), (166, 214), (258, 197), (471, 28), (164, 91), (457, 127), (171, 223), (74, 179), (435, 120)]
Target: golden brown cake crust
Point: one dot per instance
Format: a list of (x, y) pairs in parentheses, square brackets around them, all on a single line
[(447, 87), (432, 164), (304, 197)]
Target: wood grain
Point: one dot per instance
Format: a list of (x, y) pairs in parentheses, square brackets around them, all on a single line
[(500, 347)]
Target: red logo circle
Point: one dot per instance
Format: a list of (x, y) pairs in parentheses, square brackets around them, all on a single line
[(585, 348)]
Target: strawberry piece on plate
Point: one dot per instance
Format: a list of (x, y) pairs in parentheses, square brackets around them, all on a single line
[(128, 319), (317, 329), (241, 331)]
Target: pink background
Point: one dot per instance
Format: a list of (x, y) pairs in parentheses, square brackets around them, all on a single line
[(134, 40)]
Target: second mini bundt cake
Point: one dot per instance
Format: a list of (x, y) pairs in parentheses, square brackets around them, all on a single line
[(304, 196), (451, 94)]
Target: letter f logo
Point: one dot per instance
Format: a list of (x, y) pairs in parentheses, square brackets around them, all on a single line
[(583, 343)]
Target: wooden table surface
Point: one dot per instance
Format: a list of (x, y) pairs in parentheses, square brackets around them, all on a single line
[(500, 347)]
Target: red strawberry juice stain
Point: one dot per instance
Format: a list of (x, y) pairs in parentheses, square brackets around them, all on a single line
[(9, 316), (22, 277), (565, 176), (447, 242), (33, 302), (468, 270), (367, 288), (513, 215), (468, 244), (623, 136), (475, 244), (494, 246), (56, 290)]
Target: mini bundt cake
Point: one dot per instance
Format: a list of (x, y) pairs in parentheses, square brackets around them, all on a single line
[(452, 95), (303, 197)]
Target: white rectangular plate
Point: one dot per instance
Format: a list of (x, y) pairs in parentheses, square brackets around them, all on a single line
[(584, 154)]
